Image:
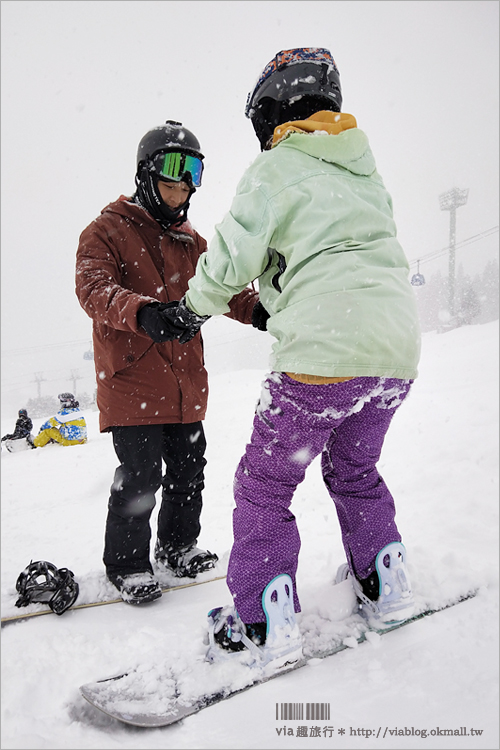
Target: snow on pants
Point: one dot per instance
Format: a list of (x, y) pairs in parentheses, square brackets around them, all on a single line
[(294, 422), (140, 450)]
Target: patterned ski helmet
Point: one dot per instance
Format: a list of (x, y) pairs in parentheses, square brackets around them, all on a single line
[(293, 86)]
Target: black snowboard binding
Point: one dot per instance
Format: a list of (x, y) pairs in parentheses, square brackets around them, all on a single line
[(43, 582)]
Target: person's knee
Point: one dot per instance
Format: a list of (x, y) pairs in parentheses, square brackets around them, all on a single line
[(132, 493), (133, 506), (42, 438)]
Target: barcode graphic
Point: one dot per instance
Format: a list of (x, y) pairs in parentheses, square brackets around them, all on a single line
[(318, 711), (295, 711)]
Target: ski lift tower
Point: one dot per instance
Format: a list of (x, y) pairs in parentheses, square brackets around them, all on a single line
[(450, 201)]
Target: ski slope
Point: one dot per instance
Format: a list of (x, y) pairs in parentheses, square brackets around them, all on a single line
[(408, 689)]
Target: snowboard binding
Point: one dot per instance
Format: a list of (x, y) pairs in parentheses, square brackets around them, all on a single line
[(43, 582), (393, 601), (279, 649)]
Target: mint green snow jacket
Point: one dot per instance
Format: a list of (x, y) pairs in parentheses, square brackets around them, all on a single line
[(312, 221)]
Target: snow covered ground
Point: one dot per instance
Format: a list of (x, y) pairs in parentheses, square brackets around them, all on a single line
[(407, 689)]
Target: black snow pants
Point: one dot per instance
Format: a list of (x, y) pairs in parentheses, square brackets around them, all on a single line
[(140, 450)]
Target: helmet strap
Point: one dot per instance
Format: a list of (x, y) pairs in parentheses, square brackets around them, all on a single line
[(262, 127), (148, 196)]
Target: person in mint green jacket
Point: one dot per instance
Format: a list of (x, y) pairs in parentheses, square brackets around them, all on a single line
[(312, 221)]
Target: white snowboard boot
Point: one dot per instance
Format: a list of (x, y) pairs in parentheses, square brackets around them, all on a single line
[(385, 597)]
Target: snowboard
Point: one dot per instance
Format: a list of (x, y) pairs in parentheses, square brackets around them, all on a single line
[(151, 696), (47, 611), (15, 445)]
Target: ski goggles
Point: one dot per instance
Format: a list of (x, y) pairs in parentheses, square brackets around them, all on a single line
[(175, 166)]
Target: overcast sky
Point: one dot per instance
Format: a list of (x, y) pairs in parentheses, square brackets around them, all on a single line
[(83, 81)]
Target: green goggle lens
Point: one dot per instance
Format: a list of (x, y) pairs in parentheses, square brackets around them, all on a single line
[(175, 165)]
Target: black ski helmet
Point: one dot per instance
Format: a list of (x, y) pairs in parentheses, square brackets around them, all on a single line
[(172, 136), (293, 86)]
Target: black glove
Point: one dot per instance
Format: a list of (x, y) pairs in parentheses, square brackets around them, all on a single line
[(260, 316), (160, 329), (183, 319)]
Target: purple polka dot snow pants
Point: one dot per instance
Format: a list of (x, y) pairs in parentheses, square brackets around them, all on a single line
[(294, 422)]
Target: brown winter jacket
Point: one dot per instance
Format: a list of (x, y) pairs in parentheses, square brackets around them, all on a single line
[(124, 261)]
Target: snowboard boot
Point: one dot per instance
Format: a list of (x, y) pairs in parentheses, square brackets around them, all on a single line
[(274, 645), (186, 561), (385, 597), (137, 588)]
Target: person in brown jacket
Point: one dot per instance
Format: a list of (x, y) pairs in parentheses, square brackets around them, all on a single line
[(133, 262)]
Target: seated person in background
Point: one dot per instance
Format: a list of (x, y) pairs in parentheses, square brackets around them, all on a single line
[(23, 428), (67, 427)]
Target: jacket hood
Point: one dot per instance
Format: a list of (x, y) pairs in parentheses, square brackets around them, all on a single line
[(331, 136), (131, 210)]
